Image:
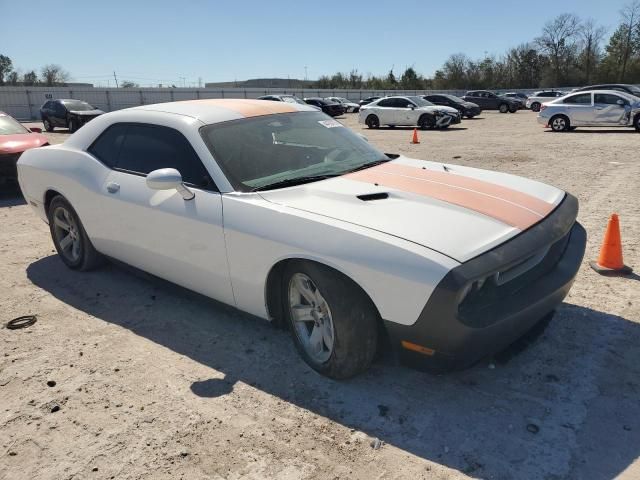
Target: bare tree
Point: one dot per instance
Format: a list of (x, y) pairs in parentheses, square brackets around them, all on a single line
[(558, 41), (53, 74), (591, 35), (631, 21), (13, 78)]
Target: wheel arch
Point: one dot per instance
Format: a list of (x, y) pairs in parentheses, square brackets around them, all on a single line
[(273, 290), (49, 195)]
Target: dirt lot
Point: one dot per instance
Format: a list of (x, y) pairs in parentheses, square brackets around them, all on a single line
[(153, 382)]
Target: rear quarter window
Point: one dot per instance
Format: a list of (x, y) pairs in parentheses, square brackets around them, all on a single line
[(106, 147)]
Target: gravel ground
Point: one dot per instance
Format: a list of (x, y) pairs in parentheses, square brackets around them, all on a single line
[(153, 382)]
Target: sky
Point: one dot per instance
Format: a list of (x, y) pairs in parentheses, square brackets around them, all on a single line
[(183, 42)]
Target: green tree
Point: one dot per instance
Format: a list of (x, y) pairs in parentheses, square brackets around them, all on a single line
[(6, 65), (30, 78)]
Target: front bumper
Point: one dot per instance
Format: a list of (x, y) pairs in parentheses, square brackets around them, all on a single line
[(453, 337), (8, 165), (473, 112)]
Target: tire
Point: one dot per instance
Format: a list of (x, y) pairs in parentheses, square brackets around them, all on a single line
[(426, 122), (77, 253), (47, 125), (636, 122), (535, 107), (503, 108), (345, 319), (469, 116), (559, 123), (372, 121), (513, 109), (72, 125)]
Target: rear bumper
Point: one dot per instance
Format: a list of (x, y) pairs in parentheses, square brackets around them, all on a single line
[(454, 337)]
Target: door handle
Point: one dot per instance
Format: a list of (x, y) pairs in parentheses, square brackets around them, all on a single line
[(113, 187)]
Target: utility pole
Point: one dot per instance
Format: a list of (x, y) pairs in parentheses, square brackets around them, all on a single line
[(199, 82), (115, 78), (305, 73), (183, 79)]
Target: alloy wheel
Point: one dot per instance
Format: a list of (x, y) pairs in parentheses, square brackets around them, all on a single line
[(311, 317), (67, 234), (559, 124)]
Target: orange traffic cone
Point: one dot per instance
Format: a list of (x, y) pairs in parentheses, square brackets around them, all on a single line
[(610, 259), (415, 136)]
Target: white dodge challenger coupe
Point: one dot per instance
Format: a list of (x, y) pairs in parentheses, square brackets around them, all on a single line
[(283, 212)]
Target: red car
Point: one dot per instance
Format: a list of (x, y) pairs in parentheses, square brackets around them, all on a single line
[(15, 139)]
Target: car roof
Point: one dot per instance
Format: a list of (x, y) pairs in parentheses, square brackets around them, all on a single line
[(614, 92), (224, 109)]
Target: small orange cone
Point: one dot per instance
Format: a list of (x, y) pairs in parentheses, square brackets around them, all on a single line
[(415, 136), (610, 259)]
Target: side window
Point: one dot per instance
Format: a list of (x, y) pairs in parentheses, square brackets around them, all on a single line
[(59, 109), (606, 98), (387, 102), (581, 99), (150, 147), (106, 147)]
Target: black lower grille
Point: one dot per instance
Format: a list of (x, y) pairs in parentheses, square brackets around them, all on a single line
[(485, 298)]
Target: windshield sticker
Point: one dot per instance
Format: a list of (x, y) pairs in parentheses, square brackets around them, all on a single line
[(330, 123)]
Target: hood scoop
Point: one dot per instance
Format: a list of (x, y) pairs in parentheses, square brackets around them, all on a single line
[(368, 197)]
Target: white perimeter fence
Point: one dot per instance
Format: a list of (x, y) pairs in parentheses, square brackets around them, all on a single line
[(24, 103)]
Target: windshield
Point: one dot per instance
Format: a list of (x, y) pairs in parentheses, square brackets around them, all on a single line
[(454, 98), (421, 102), (635, 91), (9, 126), (77, 105), (289, 99), (260, 151)]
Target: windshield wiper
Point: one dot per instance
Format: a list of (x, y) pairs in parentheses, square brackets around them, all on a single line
[(290, 182), (368, 165)]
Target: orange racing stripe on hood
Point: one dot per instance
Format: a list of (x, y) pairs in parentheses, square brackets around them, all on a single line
[(509, 206), (249, 108)]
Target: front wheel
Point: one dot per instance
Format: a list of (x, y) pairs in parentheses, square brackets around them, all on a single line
[(559, 123), (636, 123), (333, 323), (72, 125), (503, 108), (535, 107), (513, 109), (372, 121), (48, 126), (426, 122), (69, 236)]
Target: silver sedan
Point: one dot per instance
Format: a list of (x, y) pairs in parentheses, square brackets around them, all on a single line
[(596, 108)]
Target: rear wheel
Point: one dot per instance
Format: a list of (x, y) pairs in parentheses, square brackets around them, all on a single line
[(333, 323), (535, 107), (559, 123), (504, 108), (70, 238), (372, 121), (513, 109)]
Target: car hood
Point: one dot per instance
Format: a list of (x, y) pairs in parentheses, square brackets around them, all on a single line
[(20, 142), (470, 105), (458, 211), (87, 113)]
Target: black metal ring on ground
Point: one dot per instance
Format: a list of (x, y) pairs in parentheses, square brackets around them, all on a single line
[(21, 322)]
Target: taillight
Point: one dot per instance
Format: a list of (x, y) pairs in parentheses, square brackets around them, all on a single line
[(542, 107)]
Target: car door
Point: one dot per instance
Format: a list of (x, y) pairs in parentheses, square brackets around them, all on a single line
[(158, 231), (607, 110), (385, 111), (59, 117), (405, 111), (580, 109)]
